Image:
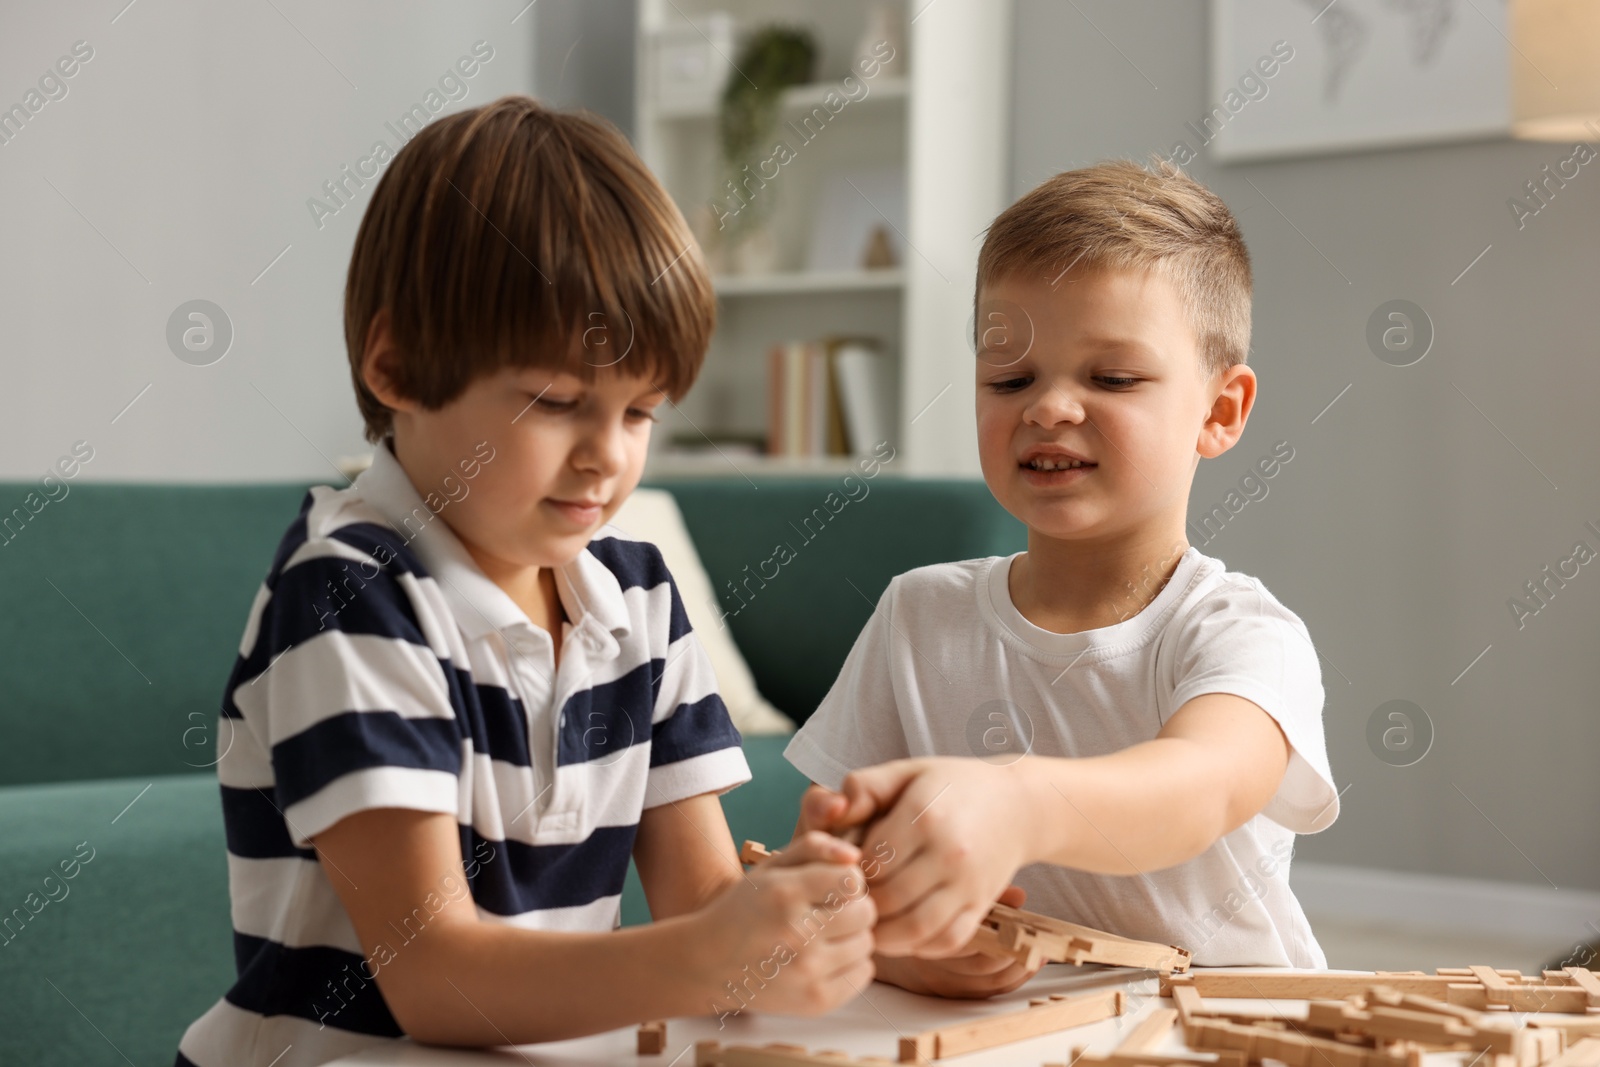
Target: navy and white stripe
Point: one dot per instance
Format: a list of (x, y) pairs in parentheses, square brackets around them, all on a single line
[(381, 668)]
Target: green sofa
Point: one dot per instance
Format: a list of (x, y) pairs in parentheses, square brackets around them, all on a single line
[(121, 608)]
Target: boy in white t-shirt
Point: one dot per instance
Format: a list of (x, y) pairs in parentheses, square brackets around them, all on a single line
[(1148, 725)]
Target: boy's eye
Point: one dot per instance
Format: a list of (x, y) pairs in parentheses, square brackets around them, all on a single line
[(1010, 385), (643, 415), (554, 403), (1116, 383)]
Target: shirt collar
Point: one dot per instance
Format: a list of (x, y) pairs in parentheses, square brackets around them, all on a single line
[(589, 592)]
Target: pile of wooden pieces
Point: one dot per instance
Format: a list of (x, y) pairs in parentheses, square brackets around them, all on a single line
[(1393, 1019), (1032, 939), (1387, 1019)]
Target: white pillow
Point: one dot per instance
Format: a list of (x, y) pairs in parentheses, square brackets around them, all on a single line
[(652, 515)]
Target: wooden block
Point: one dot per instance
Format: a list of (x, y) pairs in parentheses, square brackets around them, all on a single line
[(1528, 997), (1280, 985), (714, 1054), (1392, 998), (1271, 985), (754, 852), (1224, 1058), (1150, 1032), (1403, 1024), (1494, 983), (1575, 1027), (1186, 1000), (1020, 934), (652, 1038), (1044, 1016), (923, 1048), (1292, 1047), (1583, 1053), (1335, 1016), (1586, 980)]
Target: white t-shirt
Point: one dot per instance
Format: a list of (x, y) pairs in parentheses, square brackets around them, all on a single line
[(947, 666)]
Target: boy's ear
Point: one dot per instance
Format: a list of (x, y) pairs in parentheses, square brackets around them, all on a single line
[(1235, 395), (378, 362)]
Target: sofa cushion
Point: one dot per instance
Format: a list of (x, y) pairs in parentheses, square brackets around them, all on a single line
[(136, 943), (796, 613), (121, 610)]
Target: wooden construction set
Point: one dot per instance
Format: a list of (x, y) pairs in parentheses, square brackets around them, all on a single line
[(1384, 1019)]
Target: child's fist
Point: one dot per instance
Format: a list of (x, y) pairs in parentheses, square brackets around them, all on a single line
[(960, 828), (795, 935), (974, 976)]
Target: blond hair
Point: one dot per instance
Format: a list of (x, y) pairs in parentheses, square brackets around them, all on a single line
[(1120, 215)]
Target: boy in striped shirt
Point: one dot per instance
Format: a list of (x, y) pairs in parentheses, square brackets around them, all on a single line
[(462, 701)]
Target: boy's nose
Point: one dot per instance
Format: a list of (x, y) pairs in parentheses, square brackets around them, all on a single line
[(602, 450), (1054, 404)]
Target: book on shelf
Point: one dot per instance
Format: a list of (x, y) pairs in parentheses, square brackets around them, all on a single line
[(828, 397)]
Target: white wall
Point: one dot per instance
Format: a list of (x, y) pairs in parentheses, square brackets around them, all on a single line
[(1406, 520), (181, 160)]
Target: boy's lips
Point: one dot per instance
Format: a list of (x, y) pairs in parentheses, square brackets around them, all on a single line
[(579, 512), (1047, 458), (1052, 465)]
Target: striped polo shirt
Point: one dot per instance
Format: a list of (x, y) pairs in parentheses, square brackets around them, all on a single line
[(381, 668)]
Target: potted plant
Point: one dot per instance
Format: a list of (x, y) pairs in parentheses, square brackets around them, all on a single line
[(772, 59)]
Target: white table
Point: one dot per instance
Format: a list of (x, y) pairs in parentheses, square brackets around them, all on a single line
[(870, 1025)]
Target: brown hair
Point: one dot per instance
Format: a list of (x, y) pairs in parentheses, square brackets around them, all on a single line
[(1120, 215), (516, 235)]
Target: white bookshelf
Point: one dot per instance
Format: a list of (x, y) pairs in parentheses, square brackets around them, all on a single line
[(809, 281), (943, 119)]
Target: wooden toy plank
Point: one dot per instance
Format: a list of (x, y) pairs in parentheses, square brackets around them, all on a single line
[(1392, 1024), (1498, 988), (1579, 1026), (1276, 984), (1584, 1053), (652, 1038), (1529, 997), (1542, 1046), (1291, 1047), (1270, 985), (1088, 945), (1186, 1000), (714, 1054), (753, 852), (1025, 951), (1223, 1058), (1392, 998), (1586, 980), (1058, 1012), (1151, 1031)]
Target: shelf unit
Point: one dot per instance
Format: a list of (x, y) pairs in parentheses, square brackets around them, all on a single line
[(941, 118)]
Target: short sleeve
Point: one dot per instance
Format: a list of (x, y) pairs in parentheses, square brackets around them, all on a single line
[(694, 746), (1240, 640), (858, 723), (343, 690)]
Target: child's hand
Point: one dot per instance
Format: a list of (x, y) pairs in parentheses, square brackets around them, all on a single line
[(971, 977), (974, 977), (794, 936), (958, 830)]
